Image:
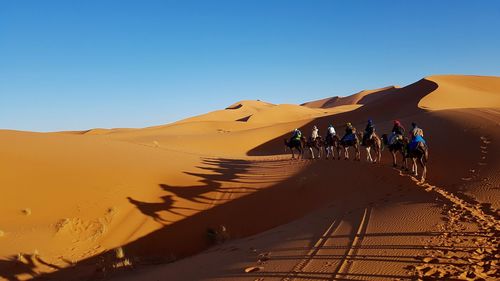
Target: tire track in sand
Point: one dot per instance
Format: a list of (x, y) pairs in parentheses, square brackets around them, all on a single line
[(299, 267), (345, 263)]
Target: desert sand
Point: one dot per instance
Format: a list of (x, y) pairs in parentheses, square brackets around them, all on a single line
[(216, 197)]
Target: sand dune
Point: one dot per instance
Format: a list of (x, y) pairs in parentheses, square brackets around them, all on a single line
[(363, 97), (216, 194), (236, 112), (463, 92)]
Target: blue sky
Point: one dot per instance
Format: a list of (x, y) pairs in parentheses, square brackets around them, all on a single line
[(82, 64)]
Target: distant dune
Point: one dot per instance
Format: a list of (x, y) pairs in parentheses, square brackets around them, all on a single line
[(363, 97), (218, 193)]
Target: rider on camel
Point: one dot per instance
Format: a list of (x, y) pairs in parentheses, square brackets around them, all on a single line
[(331, 131), (314, 133), (398, 131), (349, 132), (417, 135), (416, 131), (369, 131), (296, 135)]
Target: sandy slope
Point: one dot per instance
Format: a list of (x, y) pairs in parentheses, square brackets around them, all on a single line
[(70, 199), (363, 97), (463, 92)]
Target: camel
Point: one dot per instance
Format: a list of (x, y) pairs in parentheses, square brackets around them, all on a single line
[(375, 143), (399, 145), (354, 143), (316, 144), (332, 143), (295, 144), (420, 153)]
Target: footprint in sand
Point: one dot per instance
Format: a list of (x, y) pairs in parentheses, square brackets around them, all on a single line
[(485, 140)]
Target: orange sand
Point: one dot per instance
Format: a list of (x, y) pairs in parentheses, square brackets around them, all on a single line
[(126, 203)]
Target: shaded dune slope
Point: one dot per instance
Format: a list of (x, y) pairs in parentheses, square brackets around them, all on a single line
[(398, 105), (255, 189)]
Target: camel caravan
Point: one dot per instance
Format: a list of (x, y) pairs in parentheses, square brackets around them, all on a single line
[(412, 148)]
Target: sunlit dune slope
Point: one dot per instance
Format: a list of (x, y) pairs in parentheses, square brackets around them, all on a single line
[(70, 198), (460, 91), (239, 111), (362, 97)]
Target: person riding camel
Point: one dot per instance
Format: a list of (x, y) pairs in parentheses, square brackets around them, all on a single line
[(369, 131), (331, 131), (349, 132), (398, 132), (416, 131), (417, 135), (314, 133), (296, 135)]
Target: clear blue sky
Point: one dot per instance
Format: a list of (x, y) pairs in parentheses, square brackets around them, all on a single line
[(83, 64)]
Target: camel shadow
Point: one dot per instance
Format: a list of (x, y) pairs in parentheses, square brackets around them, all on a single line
[(246, 215), (10, 268), (220, 172), (153, 209), (14, 266)]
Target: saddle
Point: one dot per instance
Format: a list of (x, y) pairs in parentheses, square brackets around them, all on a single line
[(295, 142), (349, 137), (414, 142), (395, 138)]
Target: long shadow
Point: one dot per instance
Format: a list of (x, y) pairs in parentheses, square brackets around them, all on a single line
[(249, 214), (261, 210), (311, 275), (221, 171), (22, 265), (152, 209), (13, 266)]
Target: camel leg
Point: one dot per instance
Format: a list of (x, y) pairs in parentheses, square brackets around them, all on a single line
[(368, 154), (312, 152), (424, 169), (339, 149), (414, 167), (394, 164), (346, 153)]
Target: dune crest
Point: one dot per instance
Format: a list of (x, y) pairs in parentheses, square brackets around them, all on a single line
[(234, 112), (362, 98), (462, 91), (80, 206)]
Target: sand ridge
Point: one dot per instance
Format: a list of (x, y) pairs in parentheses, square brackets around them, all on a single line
[(222, 183)]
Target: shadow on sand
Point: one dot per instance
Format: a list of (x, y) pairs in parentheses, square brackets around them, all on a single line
[(249, 214), (256, 211)]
